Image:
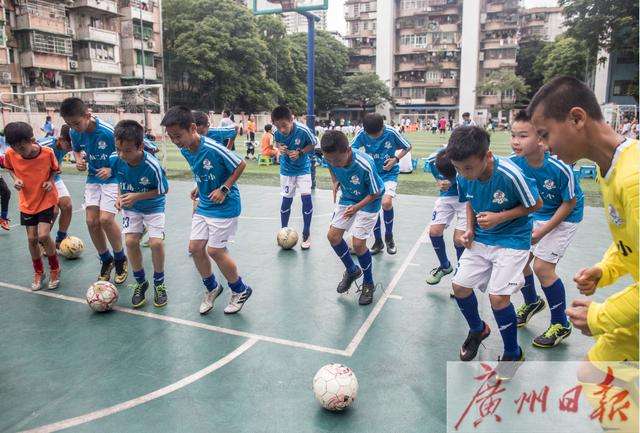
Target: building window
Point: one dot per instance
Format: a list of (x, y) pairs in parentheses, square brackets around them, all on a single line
[(625, 58), (94, 82), (3, 39), (148, 58), (623, 88)]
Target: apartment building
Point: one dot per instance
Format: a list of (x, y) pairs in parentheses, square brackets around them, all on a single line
[(297, 23)]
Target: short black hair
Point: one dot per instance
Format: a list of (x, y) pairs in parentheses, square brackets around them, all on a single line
[(466, 141), (444, 166), (73, 107), (522, 116), (129, 130), (267, 128), (200, 118), (178, 115), (334, 141), (16, 133), (281, 112), (226, 113), (65, 132), (466, 114), (560, 95), (373, 123)]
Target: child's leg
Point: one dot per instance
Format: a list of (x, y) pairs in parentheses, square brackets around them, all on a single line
[(5, 195), (134, 253), (198, 251), (553, 289), (468, 304), (227, 267), (457, 243), (436, 232), (157, 257), (287, 184), (505, 315), (44, 238), (66, 210), (377, 231), (307, 213), (335, 237), (97, 235), (34, 247), (529, 288), (112, 231), (387, 215), (364, 259)]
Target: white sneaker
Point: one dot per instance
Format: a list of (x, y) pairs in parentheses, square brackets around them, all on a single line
[(306, 244), (237, 301), (209, 298)]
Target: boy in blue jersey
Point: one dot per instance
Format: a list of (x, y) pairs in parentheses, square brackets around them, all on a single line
[(142, 186), (446, 208), (93, 143), (296, 142), (222, 134), (60, 146), (216, 170), (554, 226), (381, 142), (355, 174), (497, 241)]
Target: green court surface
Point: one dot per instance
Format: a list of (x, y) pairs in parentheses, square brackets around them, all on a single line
[(172, 370)]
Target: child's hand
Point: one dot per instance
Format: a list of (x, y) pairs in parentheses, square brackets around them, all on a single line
[(194, 194), (536, 235), (18, 184), (293, 154), (217, 196), (103, 173), (578, 315), (81, 164), (389, 163), (486, 220), (127, 200), (336, 187), (47, 186), (284, 149), (350, 211), (467, 238), (118, 203), (587, 280), (443, 185)]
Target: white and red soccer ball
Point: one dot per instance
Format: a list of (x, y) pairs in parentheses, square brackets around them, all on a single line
[(101, 296), (335, 386)]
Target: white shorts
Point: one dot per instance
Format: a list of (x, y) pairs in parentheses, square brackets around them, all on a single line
[(101, 195), (62, 189), (217, 231), (552, 247), (448, 207), (390, 187), (360, 225), (135, 222), (490, 267), (290, 184)]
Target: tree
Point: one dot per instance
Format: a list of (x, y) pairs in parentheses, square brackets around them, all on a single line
[(528, 52), (365, 90), (500, 82), (565, 56)]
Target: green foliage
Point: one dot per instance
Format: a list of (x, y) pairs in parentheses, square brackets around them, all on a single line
[(501, 81), (365, 90), (528, 52), (564, 56)]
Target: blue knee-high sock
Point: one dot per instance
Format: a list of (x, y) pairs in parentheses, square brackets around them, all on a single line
[(556, 298), (285, 211), (140, 276), (441, 250), (508, 325), (119, 256), (158, 278), (342, 250), (4, 214), (60, 236), (367, 267), (307, 213), (459, 251), (105, 257), (529, 290), (469, 308), (376, 230), (238, 286), (388, 222), (210, 282)]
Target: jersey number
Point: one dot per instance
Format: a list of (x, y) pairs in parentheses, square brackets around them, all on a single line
[(125, 222)]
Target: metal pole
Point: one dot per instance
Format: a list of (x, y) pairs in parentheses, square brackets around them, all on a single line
[(311, 66), (144, 80)]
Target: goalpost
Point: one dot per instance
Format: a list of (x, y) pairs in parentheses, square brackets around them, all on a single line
[(143, 103)]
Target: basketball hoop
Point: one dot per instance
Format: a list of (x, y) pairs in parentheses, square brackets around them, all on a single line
[(285, 4)]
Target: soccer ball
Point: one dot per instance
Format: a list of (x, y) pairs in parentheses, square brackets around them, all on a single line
[(335, 386), (287, 238), (71, 247), (101, 296)]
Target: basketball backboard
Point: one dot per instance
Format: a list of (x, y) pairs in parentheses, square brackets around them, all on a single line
[(264, 7)]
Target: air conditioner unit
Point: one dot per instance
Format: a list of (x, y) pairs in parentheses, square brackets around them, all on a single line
[(73, 64), (5, 77), (150, 44)]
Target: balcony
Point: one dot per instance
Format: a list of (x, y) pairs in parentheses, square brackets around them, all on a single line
[(130, 71), (499, 43), (498, 63), (500, 25), (135, 9), (31, 59), (16, 73), (132, 43), (443, 83), (362, 67), (409, 101), (412, 12), (47, 24), (409, 66), (101, 6), (99, 66), (364, 51), (450, 64), (86, 33), (447, 100), (105, 98), (448, 27)]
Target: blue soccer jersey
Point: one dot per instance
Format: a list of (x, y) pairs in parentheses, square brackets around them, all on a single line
[(222, 134), (212, 164), (381, 149), (52, 143), (453, 189), (507, 188), (299, 138), (359, 180), (98, 146), (144, 177), (556, 184)]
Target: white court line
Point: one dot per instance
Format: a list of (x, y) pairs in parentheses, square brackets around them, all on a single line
[(398, 297), (415, 264), (185, 322), (278, 218), (17, 224), (92, 416), (355, 342)]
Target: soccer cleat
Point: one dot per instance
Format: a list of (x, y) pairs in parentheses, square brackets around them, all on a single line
[(139, 290), (469, 348), (237, 301), (306, 243), (391, 245), (348, 279), (105, 271), (160, 295), (122, 271), (39, 280), (366, 293), (436, 274), (552, 336), (525, 312), (4, 223), (377, 247), (508, 367), (209, 298), (54, 279)]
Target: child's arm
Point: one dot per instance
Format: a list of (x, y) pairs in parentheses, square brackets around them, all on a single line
[(470, 233), (561, 213), (351, 210), (486, 220), (335, 184), (127, 200), (217, 196), (81, 163), (18, 184)]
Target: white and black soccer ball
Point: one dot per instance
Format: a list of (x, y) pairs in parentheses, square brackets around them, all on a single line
[(335, 386)]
